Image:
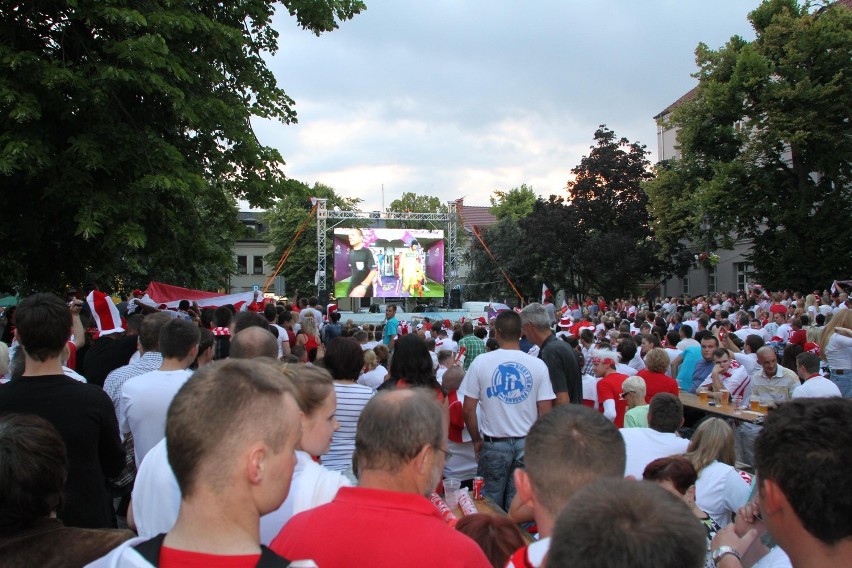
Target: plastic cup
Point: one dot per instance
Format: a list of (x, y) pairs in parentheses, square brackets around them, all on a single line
[(451, 491), (737, 401), (754, 403), (725, 397), (702, 394)]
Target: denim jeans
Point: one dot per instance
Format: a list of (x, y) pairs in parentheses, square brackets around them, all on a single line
[(843, 382), (497, 462)]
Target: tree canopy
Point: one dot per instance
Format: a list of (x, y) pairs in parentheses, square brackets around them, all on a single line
[(125, 135), (412, 203), (283, 221), (766, 148), (595, 240), (516, 203)]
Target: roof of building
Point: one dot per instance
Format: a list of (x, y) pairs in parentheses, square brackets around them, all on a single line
[(475, 216), (686, 97)]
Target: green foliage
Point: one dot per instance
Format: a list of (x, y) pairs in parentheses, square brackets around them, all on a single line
[(518, 202), (597, 241), (413, 203), (125, 135), (767, 148), (485, 279), (283, 221)]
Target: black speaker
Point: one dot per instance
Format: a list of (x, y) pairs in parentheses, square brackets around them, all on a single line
[(455, 299), (322, 298)]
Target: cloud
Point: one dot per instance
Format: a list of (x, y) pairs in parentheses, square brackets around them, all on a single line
[(452, 98)]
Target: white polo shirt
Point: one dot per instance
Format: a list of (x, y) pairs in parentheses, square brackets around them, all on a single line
[(145, 401)]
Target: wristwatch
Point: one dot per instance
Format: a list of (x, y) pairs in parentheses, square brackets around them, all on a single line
[(720, 552)]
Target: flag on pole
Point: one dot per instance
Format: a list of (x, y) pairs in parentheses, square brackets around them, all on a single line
[(545, 293)]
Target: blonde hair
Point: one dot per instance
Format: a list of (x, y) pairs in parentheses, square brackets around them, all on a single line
[(843, 318), (814, 334), (713, 441), (370, 359), (657, 360), (635, 384), (309, 326)]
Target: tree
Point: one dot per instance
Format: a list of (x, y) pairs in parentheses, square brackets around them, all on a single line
[(412, 203), (767, 147), (283, 221), (125, 135), (485, 279), (615, 249), (518, 202)]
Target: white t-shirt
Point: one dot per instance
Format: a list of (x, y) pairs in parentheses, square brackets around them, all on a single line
[(590, 389), (508, 384), (748, 361), (351, 400), (145, 401), (644, 445), (775, 558), (838, 352), (636, 363), (446, 344), (536, 552), (784, 331), (688, 342), (817, 387), (720, 491), (735, 380), (374, 378), (156, 495)]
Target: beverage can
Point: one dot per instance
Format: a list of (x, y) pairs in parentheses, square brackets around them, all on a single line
[(478, 484)]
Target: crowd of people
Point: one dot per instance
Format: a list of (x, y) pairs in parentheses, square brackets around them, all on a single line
[(137, 436)]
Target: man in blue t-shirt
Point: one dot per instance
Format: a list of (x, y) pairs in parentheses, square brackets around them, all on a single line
[(695, 363), (390, 327)]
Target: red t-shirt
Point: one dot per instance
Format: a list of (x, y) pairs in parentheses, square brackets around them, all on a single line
[(657, 382), (799, 337), (778, 309), (377, 528), (609, 387), (173, 558)]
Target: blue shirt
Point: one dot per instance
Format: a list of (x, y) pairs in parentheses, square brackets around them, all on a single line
[(390, 330), (691, 355)]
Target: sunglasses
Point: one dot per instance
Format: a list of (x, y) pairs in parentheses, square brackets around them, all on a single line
[(624, 394)]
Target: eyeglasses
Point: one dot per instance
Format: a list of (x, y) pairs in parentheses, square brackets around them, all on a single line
[(625, 393), (446, 453)]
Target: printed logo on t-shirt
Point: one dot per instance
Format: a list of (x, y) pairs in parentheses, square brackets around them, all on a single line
[(511, 382), (359, 265)]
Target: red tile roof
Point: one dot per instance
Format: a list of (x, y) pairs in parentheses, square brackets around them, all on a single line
[(476, 216), (687, 97)]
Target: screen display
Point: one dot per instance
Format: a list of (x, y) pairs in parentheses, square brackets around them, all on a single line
[(388, 263)]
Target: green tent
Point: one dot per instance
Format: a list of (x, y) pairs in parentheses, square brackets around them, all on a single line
[(8, 301)]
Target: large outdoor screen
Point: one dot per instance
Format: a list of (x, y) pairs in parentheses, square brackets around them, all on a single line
[(382, 263)]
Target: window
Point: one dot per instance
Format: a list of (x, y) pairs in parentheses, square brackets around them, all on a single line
[(686, 284), (711, 280), (743, 272), (242, 264), (257, 266)]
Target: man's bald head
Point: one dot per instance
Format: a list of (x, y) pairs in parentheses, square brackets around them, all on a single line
[(254, 342)]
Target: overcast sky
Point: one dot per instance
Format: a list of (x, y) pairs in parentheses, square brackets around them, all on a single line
[(461, 98)]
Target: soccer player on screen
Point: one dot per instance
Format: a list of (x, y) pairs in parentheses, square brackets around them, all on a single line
[(362, 266)]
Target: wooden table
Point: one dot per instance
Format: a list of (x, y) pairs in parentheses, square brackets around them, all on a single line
[(486, 506), (727, 411)]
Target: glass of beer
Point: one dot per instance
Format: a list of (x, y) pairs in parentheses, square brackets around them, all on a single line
[(724, 396), (737, 401), (702, 394), (754, 403)]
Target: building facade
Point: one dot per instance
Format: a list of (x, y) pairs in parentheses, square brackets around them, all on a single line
[(732, 271)]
